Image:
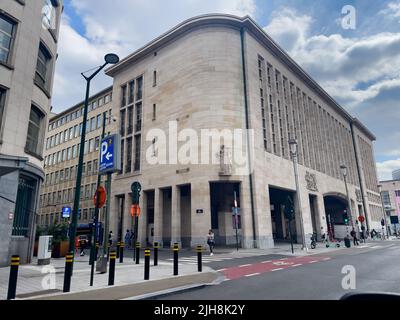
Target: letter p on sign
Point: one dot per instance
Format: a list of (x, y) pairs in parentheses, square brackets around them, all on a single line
[(103, 152)]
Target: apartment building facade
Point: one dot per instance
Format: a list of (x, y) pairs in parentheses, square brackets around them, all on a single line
[(61, 156), (28, 51)]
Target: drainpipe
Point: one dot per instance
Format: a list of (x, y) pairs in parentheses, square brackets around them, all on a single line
[(359, 174), (246, 107)]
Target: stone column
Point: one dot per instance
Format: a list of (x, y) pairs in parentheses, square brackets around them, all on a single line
[(176, 215), (201, 222), (142, 229), (158, 217)]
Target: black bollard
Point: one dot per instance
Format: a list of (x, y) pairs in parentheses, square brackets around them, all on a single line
[(111, 275), (68, 272), (199, 261), (156, 246), (12, 282), (137, 252), (118, 246), (147, 264), (121, 252), (176, 250)]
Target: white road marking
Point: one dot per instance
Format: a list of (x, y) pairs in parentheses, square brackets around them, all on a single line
[(221, 270), (376, 247), (252, 275), (297, 265), (313, 261), (326, 259), (277, 269), (266, 261), (244, 265)]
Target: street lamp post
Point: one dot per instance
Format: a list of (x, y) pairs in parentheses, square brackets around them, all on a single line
[(293, 152), (108, 59), (384, 213), (343, 169)]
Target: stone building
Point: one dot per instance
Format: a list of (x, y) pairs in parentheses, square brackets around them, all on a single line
[(61, 158), (28, 52), (221, 72), (390, 192)]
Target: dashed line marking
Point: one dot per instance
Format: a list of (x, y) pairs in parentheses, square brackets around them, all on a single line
[(277, 269), (252, 275), (313, 261), (283, 259), (267, 261), (326, 259), (220, 270), (297, 265), (245, 265)]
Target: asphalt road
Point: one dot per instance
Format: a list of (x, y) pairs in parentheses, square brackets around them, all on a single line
[(317, 277)]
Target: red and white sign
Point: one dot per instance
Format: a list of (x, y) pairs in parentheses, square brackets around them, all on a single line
[(361, 219)]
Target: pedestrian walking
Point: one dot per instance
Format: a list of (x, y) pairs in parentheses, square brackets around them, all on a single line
[(211, 241), (132, 239), (110, 238), (353, 233), (127, 238), (362, 234)]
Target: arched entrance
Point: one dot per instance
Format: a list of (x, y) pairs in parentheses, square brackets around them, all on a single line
[(335, 207)]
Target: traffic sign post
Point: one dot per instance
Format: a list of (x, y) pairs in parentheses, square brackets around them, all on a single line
[(135, 211), (110, 154), (66, 212)]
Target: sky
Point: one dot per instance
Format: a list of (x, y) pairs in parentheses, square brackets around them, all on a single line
[(353, 55)]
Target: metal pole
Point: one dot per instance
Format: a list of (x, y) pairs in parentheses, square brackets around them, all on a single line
[(12, 282), (290, 235), (299, 201), (106, 218), (236, 221), (384, 212), (74, 220), (348, 202), (93, 250)]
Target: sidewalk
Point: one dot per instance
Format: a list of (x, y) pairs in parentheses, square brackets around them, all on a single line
[(35, 281)]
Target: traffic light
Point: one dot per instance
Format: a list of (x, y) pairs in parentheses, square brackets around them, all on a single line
[(345, 218), (136, 188), (289, 209)]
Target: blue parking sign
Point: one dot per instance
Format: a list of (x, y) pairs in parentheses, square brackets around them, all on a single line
[(66, 212), (110, 154)]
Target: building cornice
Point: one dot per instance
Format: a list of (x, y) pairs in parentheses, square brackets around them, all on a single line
[(251, 26)]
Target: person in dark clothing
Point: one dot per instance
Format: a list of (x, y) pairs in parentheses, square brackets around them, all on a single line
[(354, 235), (362, 234)]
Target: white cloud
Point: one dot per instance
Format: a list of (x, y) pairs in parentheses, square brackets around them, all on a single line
[(386, 168), (120, 26), (392, 11)]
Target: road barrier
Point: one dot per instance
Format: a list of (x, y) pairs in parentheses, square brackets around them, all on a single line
[(111, 275), (156, 246), (176, 250), (68, 271), (147, 264), (199, 250), (137, 252), (12, 282)]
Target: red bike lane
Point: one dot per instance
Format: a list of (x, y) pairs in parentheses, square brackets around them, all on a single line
[(249, 270)]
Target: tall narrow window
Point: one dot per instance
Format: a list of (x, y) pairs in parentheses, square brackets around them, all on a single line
[(42, 66), (154, 78), (7, 31), (137, 152), (138, 117), (128, 166), (122, 123), (2, 103), (154, 112), (123, 96), (130, 120), (122, 155), (139, 92), (131, 92), (33, 136)]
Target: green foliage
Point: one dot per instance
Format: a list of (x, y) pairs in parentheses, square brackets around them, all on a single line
[(58, 231)]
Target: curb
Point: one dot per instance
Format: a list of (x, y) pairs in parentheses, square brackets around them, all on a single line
[(170, 292)]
